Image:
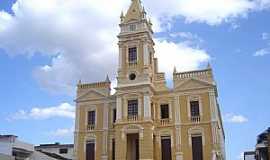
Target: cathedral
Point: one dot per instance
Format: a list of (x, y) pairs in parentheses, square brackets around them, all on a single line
[(144, 119)]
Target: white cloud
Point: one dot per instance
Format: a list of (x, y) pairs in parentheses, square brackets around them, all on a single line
[(235, 26), (262, 52), (235, 118), (80, 36), (212, 12), (64, 110), (187, 37), (180, 55), (62, 132)]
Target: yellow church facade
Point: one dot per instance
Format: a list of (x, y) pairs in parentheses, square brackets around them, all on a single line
[(144, 119)]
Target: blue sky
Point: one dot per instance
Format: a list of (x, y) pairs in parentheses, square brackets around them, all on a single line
[(45, 49)]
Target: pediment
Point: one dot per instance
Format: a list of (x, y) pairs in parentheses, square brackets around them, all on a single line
[(91, 95), (193, 84)]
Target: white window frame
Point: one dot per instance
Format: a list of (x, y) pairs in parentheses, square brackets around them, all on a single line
[(132, 45), (162, 102), (196, 132), (132, 27), (168, 108), (91, 137), (194, 98), (91, 108)]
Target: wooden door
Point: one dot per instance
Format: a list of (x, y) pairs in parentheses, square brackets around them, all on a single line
[(166, 149), (90, 151), (197, 151)]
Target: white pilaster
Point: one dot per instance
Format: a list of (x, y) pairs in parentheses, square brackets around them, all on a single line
[(105, 116), (145, 54), (213, 105), (140, 105), (120, 58), (178, 138), (177, 111), (118, 108), (105, 144), (105, 132), (147, 106), (77, 118)]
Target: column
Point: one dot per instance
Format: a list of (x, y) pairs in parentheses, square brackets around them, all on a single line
[(146, 145), (145, 54), (140, 105), (213, 105), (120, 145), (158, 146), (147, 107), (76, 133), (118, 109), (177, 110), (120, 58), (105, 131)]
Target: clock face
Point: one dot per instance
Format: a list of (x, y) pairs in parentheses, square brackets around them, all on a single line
[(132, 76)]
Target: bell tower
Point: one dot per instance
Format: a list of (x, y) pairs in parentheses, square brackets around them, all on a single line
[(136, 52)]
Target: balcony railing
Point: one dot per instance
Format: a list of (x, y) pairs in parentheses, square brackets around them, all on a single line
[(165, 122), (132, 64), (91, 127), (132, 118), (195, 119)]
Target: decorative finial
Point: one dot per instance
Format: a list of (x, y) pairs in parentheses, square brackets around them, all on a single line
[(209, 65), (80, 82), (122, 16), (144, 13), (174, 70), (107, 79), (150, 22)]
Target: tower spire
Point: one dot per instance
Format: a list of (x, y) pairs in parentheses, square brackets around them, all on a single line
[(135, 11)]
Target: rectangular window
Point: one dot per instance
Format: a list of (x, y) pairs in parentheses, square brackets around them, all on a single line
[(132, 27), (166, 148), (194, 108), (164, 111), (91, 117), (132, 108), (90, 150), (63, 151), (114, 115), (132, 55), (197, 150)]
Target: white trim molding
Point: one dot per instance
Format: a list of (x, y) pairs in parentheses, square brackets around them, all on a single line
[(165, 102), (195, 132), (89, 137), (145, 54), (88, 109), (177, 110), (147, 106), (118, 109), (194, 98)]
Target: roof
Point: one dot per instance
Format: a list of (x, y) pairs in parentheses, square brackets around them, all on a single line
[(53, 155), (8, 136), (55, 145), (263, 136)]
